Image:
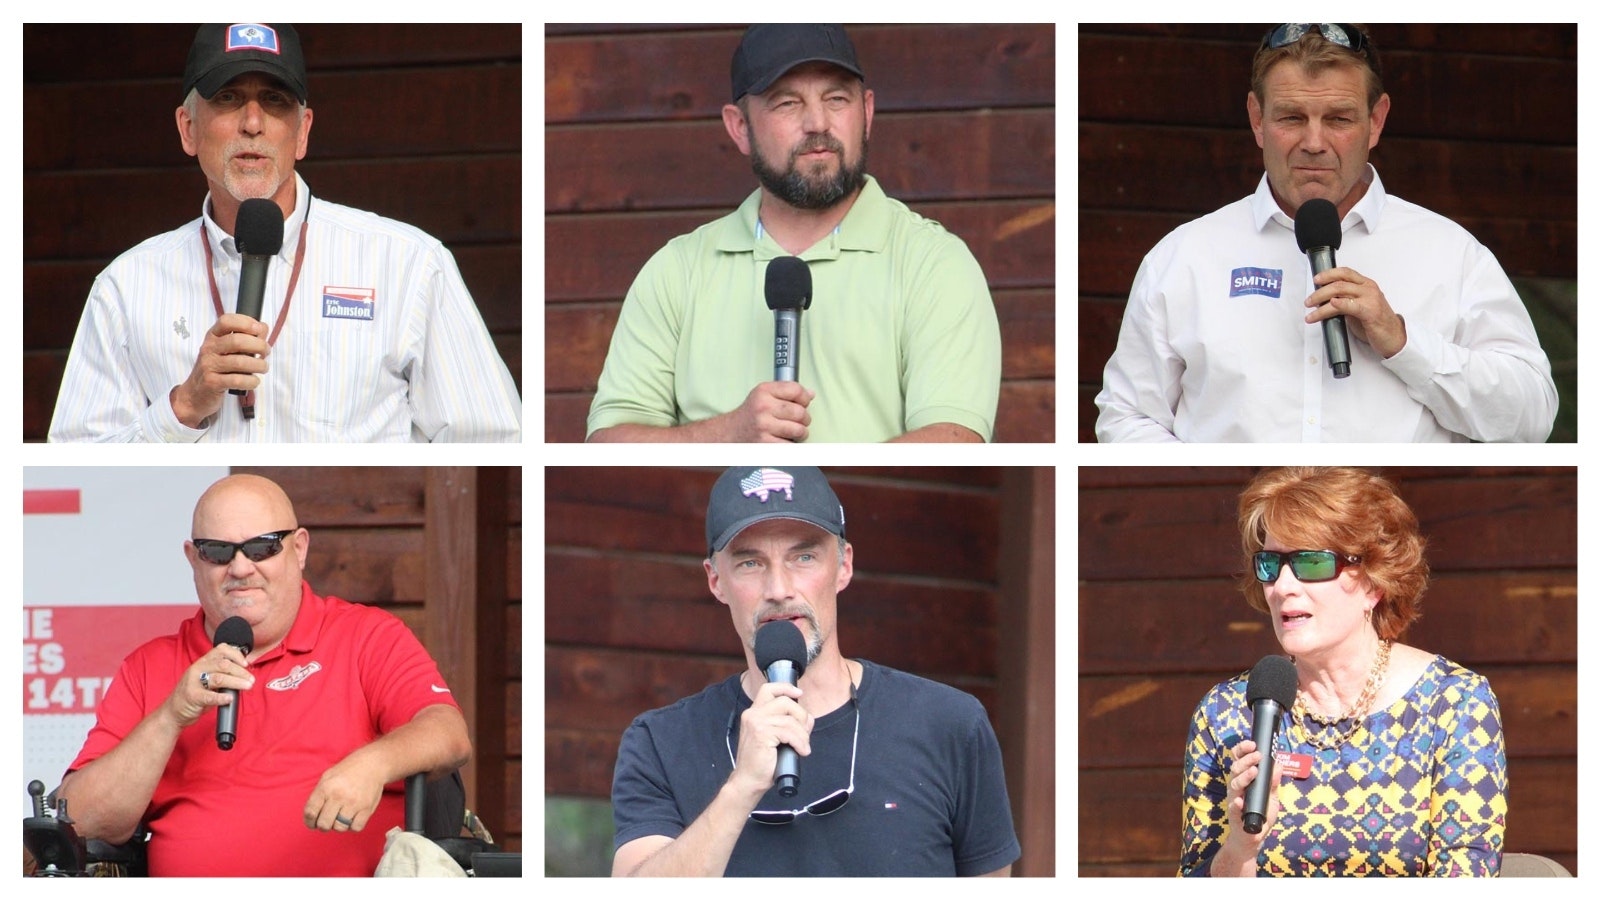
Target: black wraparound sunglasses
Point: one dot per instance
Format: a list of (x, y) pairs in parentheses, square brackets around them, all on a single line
[(1307, 565), (832, 803), (255, 549)]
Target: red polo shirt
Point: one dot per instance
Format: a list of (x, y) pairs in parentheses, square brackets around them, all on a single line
[(345, 675)]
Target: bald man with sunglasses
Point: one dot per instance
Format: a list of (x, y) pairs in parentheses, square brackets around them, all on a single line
[(338, 701)]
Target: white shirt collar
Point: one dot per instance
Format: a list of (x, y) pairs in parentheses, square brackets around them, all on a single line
[(1264, 208), (291, 226)]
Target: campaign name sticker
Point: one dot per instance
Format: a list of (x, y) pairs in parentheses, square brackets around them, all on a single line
[(1295, 765), (1263, 282), (348, 303)]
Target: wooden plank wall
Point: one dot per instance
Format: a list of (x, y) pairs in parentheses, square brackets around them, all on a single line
[(636, 154), (1160, 621), (630, 625), (370, 535), (1483, 130), (103, 169)]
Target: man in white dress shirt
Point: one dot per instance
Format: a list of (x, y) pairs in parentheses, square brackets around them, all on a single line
[(1222, 337), (367, 331)]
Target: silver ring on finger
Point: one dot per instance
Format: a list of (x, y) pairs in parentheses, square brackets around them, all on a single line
[(343, 821), (205, 680)]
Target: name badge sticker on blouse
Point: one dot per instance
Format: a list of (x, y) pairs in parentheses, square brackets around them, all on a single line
[(349, 303), (1296, 765)]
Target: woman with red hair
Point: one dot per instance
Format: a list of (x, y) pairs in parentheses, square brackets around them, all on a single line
[(1391, 761)]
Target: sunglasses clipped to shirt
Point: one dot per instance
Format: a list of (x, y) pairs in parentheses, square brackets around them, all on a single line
[(832, 803), (256, 549), (1307, 565)]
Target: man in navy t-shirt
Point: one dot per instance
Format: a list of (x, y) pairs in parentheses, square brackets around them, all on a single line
[(898, 775)]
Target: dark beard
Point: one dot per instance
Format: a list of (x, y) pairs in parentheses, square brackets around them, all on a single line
[(803, 192)]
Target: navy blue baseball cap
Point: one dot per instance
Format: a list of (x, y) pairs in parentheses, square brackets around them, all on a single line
[(768, 51), (745, 495), (221, 53)]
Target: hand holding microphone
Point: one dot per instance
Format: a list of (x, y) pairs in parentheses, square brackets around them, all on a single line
[(781, 654), (235, 632), (775, 411), (1317, 231), (213, 680), (258, 233), (775, 731), (1344, 301), (1252, 791), (233, 352)]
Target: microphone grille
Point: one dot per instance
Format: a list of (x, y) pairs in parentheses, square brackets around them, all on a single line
[(780, 640), (1273, 678), (236, 631), (1316, 224), (788, 283), (259, 228)]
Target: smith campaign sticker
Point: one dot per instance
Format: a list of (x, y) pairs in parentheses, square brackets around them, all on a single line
[(1265, 282), (348, 303)]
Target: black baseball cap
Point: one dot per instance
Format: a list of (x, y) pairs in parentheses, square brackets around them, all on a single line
[(745, 495), (768, 51), (221, 53)]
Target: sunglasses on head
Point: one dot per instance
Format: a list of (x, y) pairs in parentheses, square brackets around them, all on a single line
[(1347, 36), (255, 549), (1307, 565)]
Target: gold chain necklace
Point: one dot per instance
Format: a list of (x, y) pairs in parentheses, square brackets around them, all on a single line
[(1354, 715)]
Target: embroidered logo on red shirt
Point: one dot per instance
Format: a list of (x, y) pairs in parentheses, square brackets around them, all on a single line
[(296, 675)]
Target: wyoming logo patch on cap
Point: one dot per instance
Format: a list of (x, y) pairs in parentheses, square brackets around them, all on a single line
[(252, 37)]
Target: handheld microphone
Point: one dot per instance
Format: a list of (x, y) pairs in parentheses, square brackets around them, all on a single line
[(788, 292), (1317, 231), (1270, 693), (258, 233), (781, 653), (236, 631)]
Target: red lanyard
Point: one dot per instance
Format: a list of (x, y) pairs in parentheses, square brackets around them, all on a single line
[(247, 403)]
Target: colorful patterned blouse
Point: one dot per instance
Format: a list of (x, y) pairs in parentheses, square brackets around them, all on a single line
[(1420, 789)]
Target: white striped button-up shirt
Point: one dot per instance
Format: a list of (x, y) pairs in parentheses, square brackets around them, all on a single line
[(421, 368)]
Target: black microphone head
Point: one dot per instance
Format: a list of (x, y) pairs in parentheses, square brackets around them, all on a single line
[(1316, 224), (259, 228), (1273, 678), (236, 631), (788, 283), (781, 640)]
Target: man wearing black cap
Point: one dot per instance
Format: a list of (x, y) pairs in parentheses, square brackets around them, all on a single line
[(898, 775), (367, 332), (901, 341)]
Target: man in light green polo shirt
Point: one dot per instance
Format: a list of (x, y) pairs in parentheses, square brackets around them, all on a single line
[(901, 340)]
